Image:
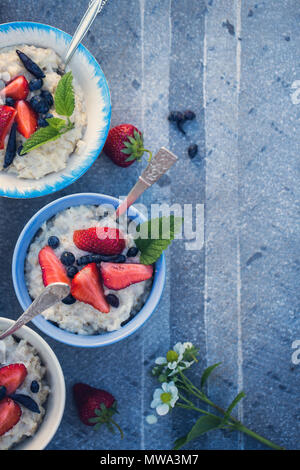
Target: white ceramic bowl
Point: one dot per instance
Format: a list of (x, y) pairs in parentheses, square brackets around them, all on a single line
[(56, 401), (90, 77)]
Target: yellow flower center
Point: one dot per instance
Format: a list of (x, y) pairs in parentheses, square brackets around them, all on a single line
[(172, 356), (166, 397)]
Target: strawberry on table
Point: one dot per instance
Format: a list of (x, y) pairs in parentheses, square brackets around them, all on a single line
[(86, 287), (26, 119), (95, 406), (100, 240), (118, 276), (10, 414), (52, 268), (17, 89), (7, 117), (12, 377), (124, 145)]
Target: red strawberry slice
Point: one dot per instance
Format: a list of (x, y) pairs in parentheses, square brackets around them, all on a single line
[(26, 119), (118, 276), (87, 288), (100, 240), (17, 89), (10, 414), (52, 268), (12, 377), (7, 117)]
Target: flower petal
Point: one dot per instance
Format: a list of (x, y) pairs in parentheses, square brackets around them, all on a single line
[(162, 409), (151, 419), (160, 360)]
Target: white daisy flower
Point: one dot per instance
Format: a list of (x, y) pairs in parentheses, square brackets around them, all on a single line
[(164, 398)]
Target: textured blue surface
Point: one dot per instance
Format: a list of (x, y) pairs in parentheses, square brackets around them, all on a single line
[(233, 63)]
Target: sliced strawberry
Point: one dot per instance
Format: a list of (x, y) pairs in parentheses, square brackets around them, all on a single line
[(118, 276), (7, 117), (52, 268), (12, 377), (26, 119), (87, 288), (10, 414), (101, 240), (17, 89)]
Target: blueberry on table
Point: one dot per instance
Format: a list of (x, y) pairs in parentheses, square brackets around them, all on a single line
[(42, 122), (34, 387), (35, 84), (189, 115), (11, 148), (193, 150), (39, 104), (53, 241), (69, 300), (46, 95), (132, 252), (72, 271), (113, 300), (29, 65), (67, 258), (9, 101), (175, 116)]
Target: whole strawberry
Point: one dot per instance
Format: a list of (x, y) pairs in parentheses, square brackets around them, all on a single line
[(95, 407), (124, 145)]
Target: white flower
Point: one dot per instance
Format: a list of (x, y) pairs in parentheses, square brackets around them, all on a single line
[(164, 398), (151, 419), (173, 360)]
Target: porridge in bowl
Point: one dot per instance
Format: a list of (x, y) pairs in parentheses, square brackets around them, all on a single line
[(99, 260), (29, 79), (23, 392)]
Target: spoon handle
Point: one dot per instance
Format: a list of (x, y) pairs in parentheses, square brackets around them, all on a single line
[(93, 9), (157, 167), (51, 295)]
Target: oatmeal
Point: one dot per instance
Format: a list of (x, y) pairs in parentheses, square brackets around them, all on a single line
[(52, 156), (21, 353), (81, 317)]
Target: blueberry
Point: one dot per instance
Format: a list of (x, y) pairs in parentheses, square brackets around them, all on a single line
[(11, 148), (26, 401), (31, 66), (42, 122), (86, 259), (132, 252), (69, 300), (71, 271), (193, 150), (35, 84), (34, 387), (53, 241), (39, 105), (67, 258), (9, 101), (2, 392), (46, 95), (20, 148), (113, 300), (189, 115), (120, 259), (175, 116)]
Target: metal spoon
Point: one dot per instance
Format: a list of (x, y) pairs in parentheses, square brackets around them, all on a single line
[(95, 6), (50, 296)]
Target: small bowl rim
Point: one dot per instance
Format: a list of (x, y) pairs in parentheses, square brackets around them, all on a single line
[(81, 170), (64, 336), (59, 391)]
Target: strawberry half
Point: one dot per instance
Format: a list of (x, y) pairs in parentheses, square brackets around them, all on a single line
[(7, 117), (124, 145), (17, 89), (52, 268), (10, 414), (95, 406), (100, 240), (86, 287), (26, 119), (12, 377), (118, 276)]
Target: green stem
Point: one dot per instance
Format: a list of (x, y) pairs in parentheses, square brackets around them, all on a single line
[(263, 440), (118, 427), (148, 151)]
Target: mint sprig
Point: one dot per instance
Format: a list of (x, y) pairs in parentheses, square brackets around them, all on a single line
[(155, 235), (64, 102)]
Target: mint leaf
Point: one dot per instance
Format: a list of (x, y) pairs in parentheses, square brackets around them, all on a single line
[(64, 96), (207, 373), (40, 137), (203, 425), (56, 123)]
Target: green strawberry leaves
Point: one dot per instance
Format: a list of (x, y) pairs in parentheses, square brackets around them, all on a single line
[(134, 147), (155, 236)]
